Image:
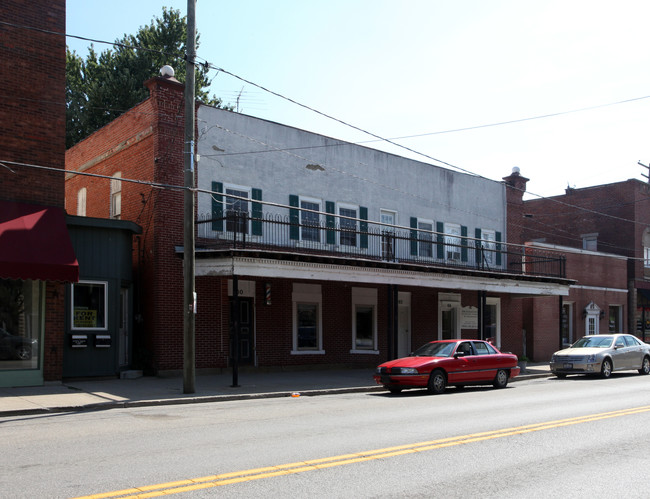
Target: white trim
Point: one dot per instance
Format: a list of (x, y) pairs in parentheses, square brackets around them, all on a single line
[(598, 288), (566, 249), (321, 232), (106, 314), (497, 302), (327, 272), (357, 233), (449, 301), (308, 294), (367, 297)]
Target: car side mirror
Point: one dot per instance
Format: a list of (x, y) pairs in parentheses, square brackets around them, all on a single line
[(459, 354)]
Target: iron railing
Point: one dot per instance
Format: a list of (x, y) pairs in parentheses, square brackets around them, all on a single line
[(365, 240)]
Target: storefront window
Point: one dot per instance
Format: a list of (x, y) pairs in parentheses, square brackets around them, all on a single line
[(20, 324), (307, 326), (89, 305)]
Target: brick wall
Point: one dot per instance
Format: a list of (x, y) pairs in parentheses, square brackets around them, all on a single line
[(32, 96)]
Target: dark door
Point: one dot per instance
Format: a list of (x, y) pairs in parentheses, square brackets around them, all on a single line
[(246, 331)]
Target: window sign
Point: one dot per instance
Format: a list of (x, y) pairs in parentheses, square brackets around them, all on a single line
[(89, 305)]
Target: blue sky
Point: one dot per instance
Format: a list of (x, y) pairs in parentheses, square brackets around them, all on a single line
[(423, 67)]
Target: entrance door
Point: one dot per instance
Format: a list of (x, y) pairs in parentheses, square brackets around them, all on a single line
[(449, 320), (246, 331)]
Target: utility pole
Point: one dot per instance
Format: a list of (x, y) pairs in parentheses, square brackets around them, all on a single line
[(189, 296), (648, 167)]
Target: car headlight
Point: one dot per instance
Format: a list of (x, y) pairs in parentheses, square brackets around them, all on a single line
[(408, 370), (378, 370), (591, 358), (553, 358)]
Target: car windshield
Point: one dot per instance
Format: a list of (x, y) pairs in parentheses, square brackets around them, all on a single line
[(435, 349), (593, 342)]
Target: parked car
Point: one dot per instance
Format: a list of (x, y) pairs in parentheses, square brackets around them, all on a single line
[(16, 347), (602, 354), (438, 364)]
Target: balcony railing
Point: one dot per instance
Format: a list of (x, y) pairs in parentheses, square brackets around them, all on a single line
[(366, 240)]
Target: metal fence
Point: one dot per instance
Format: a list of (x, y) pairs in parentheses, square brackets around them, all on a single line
[(367, 240)]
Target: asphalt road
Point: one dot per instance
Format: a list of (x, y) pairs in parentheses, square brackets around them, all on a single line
[(573, 438)]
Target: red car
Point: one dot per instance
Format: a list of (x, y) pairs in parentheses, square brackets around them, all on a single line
[(448, 362)]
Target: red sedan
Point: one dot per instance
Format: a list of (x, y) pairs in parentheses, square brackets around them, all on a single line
[(448, 362)]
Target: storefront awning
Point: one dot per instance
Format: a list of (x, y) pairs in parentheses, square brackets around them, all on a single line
[(35, 244)]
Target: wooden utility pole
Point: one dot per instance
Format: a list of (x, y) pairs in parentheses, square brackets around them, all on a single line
[(189, 296), (648, 167)]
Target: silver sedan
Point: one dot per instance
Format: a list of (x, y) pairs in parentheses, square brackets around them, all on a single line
[(602, 354)]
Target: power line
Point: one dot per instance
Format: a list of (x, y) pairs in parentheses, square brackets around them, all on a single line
[(377, 137)]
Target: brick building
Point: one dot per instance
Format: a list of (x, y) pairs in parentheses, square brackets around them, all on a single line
[(326, 253), (32, 132), (614, 219)]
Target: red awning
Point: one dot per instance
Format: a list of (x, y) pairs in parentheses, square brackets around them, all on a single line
[(35, 244)]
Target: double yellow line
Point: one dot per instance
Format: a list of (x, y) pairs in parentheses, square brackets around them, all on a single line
[(329, 462)]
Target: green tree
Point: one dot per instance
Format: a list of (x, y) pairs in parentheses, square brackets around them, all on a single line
[(103, 86)]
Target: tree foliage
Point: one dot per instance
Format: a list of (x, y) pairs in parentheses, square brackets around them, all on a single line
[(105, 85)]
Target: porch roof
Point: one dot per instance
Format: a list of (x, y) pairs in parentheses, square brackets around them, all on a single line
[(270, 264)]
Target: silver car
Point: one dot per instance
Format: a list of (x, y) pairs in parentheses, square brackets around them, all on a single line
[(602, 354)]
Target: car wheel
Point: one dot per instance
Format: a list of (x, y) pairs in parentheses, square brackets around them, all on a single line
[(437, 382), (394, 390), (501, 379), (645, 366), (560, 376), (606, 369), (24, 352)]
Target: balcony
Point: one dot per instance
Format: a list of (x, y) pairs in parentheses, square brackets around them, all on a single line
[(372, 243)]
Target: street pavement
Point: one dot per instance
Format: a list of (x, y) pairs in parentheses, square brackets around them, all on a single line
[(100, 394)]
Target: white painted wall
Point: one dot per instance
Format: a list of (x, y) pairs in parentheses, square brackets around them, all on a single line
[(247, 151)]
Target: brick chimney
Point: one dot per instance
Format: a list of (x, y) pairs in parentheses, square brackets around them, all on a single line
[(515, 189)]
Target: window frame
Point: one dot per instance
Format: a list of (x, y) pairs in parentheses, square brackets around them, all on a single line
[(364, 297), (428, 233), (82, 196), (453, 241), (307, 294), (318, 227), (228, 225), (342, 230), (116, 196), (104, 285)]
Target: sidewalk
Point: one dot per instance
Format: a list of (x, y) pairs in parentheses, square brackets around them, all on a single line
[(71, 396)]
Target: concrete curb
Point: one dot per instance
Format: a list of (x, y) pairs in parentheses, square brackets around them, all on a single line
[(102, 406)]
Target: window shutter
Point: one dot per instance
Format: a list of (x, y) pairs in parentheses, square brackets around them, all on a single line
[(294, 218), (477, 246), (440, 247), (497, 237), (414, 236), (463, 243), (330, 207), (363, 226), (217, 207), (256, 224)]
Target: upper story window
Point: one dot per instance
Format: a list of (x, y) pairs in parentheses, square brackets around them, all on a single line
[(310, 222), (237, 209), (349, 227), (452, 242), (488, 241), (389, 218), (646, 257), (81, 202), (425, 238), (116, 196)]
